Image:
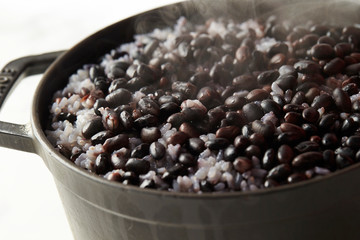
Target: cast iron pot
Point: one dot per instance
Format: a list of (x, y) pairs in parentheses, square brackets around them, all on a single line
[(325, 208)]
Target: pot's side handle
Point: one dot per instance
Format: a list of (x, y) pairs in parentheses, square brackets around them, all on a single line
[(12, 135)]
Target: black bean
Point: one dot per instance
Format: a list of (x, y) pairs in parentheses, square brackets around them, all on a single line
[(310, 115), (287, 81), (168, 109), (67, 116), (148, 106), (307, 146), (149, 135), (345, 151), (311, 94), (285, 154), (92, 127), (297, 177), (357, 156), (206, 186), (177, 138), (327, 122), (230, 153), (188, 89), (130, 178), (279, 100), (135, 83), (310, 129), (168, 99), (252, 111), (242, 164), (209, 97), (342, 100), (140, 151), (288, 70), (100, 137), (329, 140), (334, 66), (98, 104), (257, 139), (253, 150), (353, 69), (342, 49), (176, 170), (243, 54), (353, 142), (126, 120), (241, 142), (196, 145), (114, 176), (228, 132), (228, 91), (235, 118), (269, 183), (146, 73), (187, 159), (116, 70), (189, 129), (147, 90), (266, 129), (102, 163), (119, 97), (327, 39), (217, 143), (235, 102), (116, 142), (348, 127), (280, 172), (138, 166), (278, 47), (289, 127), (298, 98), (269, 105), (329, 159), (101, 83), (146, 121), (96, 71), (199, 79), (269, 159), (267, 77), (322, 51), (293, 117), (257, 95), (307, 67), (343, 161), (293, 108), (307, 160), (323, 100), (351, 89), (246, 82), (247, 130), (157, 150), (277, 60), (64, 150)]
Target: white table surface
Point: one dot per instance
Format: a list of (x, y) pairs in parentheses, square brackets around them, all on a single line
[(30, 207)]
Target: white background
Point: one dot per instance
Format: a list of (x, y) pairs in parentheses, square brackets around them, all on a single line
[(30, 207)]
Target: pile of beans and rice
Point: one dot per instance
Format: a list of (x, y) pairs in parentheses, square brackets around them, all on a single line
[(213, 107)]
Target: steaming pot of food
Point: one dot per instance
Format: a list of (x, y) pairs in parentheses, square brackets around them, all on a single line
[(204, 120)]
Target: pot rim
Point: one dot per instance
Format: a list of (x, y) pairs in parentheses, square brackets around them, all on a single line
[(43, 142)]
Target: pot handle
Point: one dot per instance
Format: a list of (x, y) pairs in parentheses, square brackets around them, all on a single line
[(17, 136)]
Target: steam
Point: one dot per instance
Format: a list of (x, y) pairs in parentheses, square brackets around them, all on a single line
[(335, 12)]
